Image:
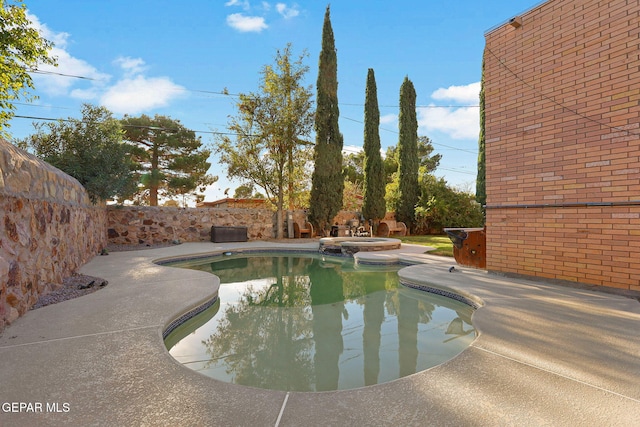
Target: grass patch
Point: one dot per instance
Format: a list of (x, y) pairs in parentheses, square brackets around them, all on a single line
[(441, 243)]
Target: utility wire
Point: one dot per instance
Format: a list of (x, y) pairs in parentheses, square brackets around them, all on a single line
[(226, 93), (175, 130), (131, 126), (417, 106), (43, 106), (455, 170), (61, 74), (235, 95), (395, 131), (216, 132)]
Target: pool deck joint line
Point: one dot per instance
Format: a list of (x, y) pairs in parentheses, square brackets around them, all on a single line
[(544, 354), (284, 405)]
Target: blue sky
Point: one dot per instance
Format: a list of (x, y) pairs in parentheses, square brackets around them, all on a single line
[(171, 58)]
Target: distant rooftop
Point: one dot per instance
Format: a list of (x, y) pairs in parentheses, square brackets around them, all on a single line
[(233, 203)]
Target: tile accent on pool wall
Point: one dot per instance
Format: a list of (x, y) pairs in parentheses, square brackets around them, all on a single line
[(233, 252), (441, 292), (188, 315)]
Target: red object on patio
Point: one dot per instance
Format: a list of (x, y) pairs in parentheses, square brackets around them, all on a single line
[(469, 246)]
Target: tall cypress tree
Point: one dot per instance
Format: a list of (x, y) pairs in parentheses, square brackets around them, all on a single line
[(327, 183), (481, 189), (374, 180), (408, 162)]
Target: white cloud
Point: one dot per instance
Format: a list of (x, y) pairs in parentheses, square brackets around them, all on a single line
[(388, 119), (54, 83), (464, 94), (60, 39), (286, 11), (133, 95), (458, 123), (244, 23), (85, 94), (242, 3), (131, 66), (351, 149)]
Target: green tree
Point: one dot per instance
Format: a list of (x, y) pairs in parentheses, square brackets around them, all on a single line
[(170, 158), (327, 182), (271, 148), (442, 206), (21, 50), (481, 189), (428, 162), (353, 167), (374, 181), (90, 150), (407, 155), (246, 191), (243, 191)]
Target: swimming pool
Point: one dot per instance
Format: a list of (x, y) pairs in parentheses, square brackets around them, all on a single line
[(307, 322)]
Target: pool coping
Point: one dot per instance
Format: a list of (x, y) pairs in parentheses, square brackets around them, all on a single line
[(544, 354)]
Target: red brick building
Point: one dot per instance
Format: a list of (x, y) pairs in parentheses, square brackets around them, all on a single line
[(562, 129)]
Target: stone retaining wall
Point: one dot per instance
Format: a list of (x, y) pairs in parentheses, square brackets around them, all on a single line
[(134, 225), (139, 225), (48, 229)]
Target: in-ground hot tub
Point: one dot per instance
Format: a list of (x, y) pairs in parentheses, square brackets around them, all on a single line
[(351, 245)]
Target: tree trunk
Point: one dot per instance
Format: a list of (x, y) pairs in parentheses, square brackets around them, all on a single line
[(279, 216), (153, 196), (153, 187)]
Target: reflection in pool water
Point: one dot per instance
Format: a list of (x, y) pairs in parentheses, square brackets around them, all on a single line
[(307, 323)]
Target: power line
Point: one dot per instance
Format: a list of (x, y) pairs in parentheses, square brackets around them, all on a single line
[(396, 132), (61, 74), (195, 131), (417, 106), (455, 170), (210, 132), (43, 106), (125, 125), (227, 93), (220, 133)]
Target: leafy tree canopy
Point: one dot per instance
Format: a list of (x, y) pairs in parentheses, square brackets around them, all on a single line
[(246, 191), (427, 162), (353, 167), (442, 206), (90, 150), (271, 147), (21, 50), (170, 159)]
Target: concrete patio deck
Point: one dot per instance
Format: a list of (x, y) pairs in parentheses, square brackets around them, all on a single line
[(545, 355)]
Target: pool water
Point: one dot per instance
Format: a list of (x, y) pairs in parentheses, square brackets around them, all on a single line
[(303, 322)]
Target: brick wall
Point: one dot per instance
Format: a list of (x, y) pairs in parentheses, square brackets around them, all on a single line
[(562, 97)]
